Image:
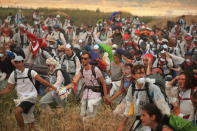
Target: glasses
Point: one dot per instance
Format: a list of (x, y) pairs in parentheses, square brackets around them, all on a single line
[(84, 58), (18, 62)]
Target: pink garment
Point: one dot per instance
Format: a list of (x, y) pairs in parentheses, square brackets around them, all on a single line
[(90, 80)]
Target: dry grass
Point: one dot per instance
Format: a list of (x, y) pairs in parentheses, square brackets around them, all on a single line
[(162, 22), (61, 119)]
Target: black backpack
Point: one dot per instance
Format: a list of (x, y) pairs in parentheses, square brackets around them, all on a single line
[(95, 88), (65, 75), (77, 52), (28, 76), (89, 39)]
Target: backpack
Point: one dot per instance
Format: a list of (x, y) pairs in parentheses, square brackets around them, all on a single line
[(159, 81), (103, 36), (65, 75), (89, 39), (64, 33), (28, 76), (148, 94), (74, 60), (77, 52), (178, 123), (94, 88)]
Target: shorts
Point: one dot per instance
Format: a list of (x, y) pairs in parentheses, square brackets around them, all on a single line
[(28, 111), (26, 106)]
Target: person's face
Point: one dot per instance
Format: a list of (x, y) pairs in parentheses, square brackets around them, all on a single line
[(127, 70), (68, 51), (19, 64), (51, 67), (117, 31), (145, 61), (139, 73), (189, 42), (85, 59), (147, 120), (181, 81), (116, 59), (97, 51)]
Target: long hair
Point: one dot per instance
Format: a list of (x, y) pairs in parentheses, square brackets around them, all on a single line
[(188, 79), (152, 109)]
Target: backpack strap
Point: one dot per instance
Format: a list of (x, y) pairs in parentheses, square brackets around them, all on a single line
[(93, 72), (74, 59), (30, 77), (148, 93), (43, 56)]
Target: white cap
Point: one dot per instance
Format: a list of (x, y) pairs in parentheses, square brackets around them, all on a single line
[(164, 40), (80, 41), (68, 46), (58, 16), (96, 47), (22, 25), (114, 46), (18, 58)]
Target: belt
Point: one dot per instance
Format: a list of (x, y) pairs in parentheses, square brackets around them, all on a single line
[(72, 73)]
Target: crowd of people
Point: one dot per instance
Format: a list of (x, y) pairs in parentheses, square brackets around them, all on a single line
[(149, 73)]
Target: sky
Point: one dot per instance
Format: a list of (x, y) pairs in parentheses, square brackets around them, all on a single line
[(135, 7)]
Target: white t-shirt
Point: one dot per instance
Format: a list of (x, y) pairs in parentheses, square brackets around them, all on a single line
[(24, 87)]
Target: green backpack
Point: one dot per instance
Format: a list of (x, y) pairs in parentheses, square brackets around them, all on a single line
[(179, 124)]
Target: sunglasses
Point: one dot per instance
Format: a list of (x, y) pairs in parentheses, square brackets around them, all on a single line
[(84, 58), (18, 62)]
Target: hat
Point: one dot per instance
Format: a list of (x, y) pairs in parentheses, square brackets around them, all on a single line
[(96, 47), (57, 26), (188, 37), (148, 55), (80, 41), (58, 16), (18, 58), (45, 27), (22, 26), (114, 46), (165, 40), (68, 46)]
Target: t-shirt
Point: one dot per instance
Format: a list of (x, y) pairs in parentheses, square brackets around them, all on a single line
[(90, 80), (24, 87)]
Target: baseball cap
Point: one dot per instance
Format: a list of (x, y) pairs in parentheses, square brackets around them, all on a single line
[(18, 58)]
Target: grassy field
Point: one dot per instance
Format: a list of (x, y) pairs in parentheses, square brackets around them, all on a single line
[(61, 119), (78, 16)]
